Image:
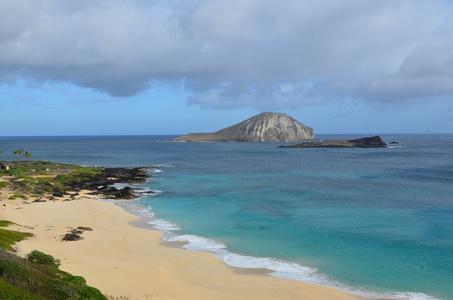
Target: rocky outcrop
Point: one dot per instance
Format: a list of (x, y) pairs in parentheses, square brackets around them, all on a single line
[(102, 183), (265, 127), (366, 142)]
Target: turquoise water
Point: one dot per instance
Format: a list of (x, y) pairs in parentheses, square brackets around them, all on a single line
[(377, 222)]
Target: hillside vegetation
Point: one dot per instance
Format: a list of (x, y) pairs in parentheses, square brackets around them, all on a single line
[(38, 276)]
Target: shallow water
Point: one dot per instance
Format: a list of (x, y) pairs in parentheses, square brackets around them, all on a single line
[(371, 221)]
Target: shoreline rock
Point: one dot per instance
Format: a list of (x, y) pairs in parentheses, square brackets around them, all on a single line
[(102, 184)]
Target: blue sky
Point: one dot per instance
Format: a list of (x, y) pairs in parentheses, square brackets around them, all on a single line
[(174, 67)]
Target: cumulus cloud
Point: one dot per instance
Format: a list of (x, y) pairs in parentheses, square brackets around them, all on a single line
[(238, 53)]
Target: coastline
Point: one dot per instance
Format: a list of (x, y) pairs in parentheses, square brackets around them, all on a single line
[(123, 259)]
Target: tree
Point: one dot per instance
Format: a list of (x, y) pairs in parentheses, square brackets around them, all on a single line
[(18, 152), (28, 155)]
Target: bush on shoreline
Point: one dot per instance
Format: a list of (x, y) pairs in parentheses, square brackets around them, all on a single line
[(43, 259)]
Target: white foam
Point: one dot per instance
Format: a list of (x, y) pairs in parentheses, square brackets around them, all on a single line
[(279, 268), (164, 225), (145, 192), (411, 296), (144, 212), (120, 186), (396, 295), (197, 243)]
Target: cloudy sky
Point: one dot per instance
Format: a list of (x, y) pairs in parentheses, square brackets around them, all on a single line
[(84, 67)]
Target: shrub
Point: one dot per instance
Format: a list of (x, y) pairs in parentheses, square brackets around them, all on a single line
[(45, 179), (43, 259), (4, 184), (61, 179)]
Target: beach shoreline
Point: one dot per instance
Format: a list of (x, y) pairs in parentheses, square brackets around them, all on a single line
[(123, 259)]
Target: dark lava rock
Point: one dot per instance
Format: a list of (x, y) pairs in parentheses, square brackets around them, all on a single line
[(125, 193), (72, 236), (102, 183), (84, 228), (369, 142), (39, 200), (57, 192), (75, 234), (366, 142)]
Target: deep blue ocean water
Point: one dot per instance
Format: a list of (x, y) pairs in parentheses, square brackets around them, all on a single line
[(377, 222)]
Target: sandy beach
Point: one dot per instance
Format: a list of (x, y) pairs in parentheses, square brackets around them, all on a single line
[(121, 259)]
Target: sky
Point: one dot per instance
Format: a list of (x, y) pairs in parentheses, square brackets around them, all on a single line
[(146, 67)]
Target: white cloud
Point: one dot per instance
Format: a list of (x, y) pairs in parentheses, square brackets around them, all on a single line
[(238, 53)]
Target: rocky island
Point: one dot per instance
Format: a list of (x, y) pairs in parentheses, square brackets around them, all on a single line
[(265, 127), (366, 142)]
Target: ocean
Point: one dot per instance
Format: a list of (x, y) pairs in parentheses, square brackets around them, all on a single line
[(374, 222)]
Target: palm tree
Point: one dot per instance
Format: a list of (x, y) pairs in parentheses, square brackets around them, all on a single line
[(18, 152), (28, 155)]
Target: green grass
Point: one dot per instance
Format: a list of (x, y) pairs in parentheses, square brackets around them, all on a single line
[(22, 168), (66, 175), (15, 196), (10, 292), (4, 184), (4, 223), (9, 237)]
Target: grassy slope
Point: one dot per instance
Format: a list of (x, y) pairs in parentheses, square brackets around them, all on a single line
[(10, 237), (24, 279)]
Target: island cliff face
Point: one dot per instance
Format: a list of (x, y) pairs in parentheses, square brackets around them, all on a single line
[(265, 127)]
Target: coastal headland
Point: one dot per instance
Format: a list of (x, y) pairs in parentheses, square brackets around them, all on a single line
[(125, 260)]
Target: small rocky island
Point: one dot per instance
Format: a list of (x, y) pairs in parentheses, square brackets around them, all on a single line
[(265, 127), (366, 142)]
